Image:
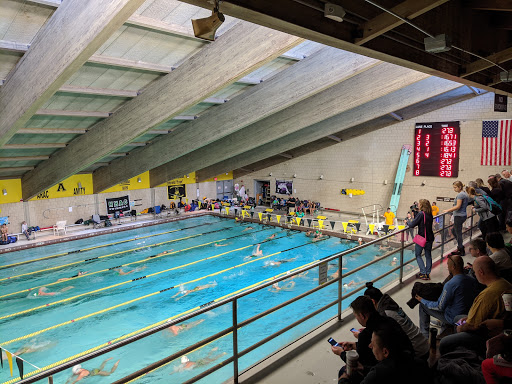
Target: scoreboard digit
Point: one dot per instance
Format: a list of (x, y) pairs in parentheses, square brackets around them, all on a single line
[(436, 149)]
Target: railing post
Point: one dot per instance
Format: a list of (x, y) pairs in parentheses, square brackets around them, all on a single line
[(235, 342), (471, 227), (443, 237), (402, 257), (340, 271)]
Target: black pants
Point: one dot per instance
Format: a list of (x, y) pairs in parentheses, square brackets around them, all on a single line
[(458, 221), (489, 225)]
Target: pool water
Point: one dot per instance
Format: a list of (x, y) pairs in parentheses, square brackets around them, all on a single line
[(130, 284)]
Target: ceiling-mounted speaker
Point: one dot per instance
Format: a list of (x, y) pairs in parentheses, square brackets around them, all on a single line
[(207, 27)]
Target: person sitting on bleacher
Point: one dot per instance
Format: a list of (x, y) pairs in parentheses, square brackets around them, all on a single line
[(487, 305), (366, 314), (386, 306), (25, 230), (395, 362), (455, 299), (499, 254)]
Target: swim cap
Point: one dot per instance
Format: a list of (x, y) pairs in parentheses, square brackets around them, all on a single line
[(395, 259), (360, 239), (76, 369), (345, 285), (184, 359)]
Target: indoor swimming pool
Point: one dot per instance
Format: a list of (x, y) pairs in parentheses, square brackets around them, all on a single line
[(62, 300)]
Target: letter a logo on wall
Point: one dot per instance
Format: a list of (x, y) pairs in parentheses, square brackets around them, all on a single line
[(61, 188)]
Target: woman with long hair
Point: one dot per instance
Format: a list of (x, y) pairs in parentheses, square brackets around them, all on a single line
[(459, 215), (489, 221), (480, 184), (423, 220)]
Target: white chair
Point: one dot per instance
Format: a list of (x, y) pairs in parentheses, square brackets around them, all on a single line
[(59, 226)]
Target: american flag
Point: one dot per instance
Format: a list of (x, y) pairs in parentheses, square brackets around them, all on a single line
[(496, 142)]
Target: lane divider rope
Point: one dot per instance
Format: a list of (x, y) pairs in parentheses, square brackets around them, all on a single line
[(29, 374), (150, 294), (98, 246), (131, 263)]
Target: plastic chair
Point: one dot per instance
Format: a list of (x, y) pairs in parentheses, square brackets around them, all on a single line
[(59, 226), (96, 221)]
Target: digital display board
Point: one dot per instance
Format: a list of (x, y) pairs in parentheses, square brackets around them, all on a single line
[(436, 149)]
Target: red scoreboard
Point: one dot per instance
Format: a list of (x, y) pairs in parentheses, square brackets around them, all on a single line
[(436, 149)]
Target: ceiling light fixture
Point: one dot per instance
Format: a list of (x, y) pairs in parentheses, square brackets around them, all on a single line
[(334, 12), (205, 28)]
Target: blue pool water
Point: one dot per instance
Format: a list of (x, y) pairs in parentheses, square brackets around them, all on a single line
[(208, 252)]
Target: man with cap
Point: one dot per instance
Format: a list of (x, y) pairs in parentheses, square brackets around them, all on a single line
[(82, 372)]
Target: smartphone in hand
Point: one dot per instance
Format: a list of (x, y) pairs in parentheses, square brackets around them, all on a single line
[(355, 330), (333, 342), (460, 322)]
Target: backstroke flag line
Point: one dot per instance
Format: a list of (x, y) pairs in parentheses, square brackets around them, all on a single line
[(496, 142)]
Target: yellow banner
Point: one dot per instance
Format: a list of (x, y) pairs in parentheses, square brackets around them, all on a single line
[(278, 217), (297, 219), (320, 224), (138, 182), (9, 359), (372, 228), (344, 226), (243, 213), (76, 185), (186, 179), (227, 210), (260, 215), (13, 189)]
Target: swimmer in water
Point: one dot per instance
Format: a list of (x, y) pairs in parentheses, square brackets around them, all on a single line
[(271, 237), (360, 241), (185, 292), (353, 284), (187, 365), (80, 273), (384, 247), (43, 291), (394, 261), (121, 272), (81, 373), (221, 245), (255, 253), (277, 263), (175, 329), (246, 229), (287, 287), (163, 253), (318, 236), (30, 348), (309, 233), (336, 274)]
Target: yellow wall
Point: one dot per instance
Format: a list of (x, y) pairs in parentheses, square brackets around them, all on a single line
[(13, 188), (186, 179), (67, 188), (131, 184), (221, 177)]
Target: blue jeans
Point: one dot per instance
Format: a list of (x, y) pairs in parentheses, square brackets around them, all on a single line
[(428, 257), (425, 314), (472, 341)]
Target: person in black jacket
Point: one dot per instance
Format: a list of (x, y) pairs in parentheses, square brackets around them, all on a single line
[(366, 314), (498, 196), (423, 221), (395, 362)]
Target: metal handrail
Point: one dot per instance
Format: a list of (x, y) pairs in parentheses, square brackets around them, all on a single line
[(234, 299)]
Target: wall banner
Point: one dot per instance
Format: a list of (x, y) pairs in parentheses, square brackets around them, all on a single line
[(118, 204), (176, 191)]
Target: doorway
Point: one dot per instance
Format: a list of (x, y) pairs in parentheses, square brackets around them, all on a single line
[(262, 192)]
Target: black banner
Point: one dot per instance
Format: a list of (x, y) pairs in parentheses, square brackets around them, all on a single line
[(309, 222), (176, 191), (118, 204), (333, 223), (500, 103)]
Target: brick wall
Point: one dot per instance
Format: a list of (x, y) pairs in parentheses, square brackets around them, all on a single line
[(373, 158)]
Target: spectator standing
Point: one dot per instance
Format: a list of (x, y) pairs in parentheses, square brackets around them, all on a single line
[(506, 204), (408, 222), (4, 231), (435, 209), (487, 305), (459, 215), (455, 299), (389, 216), (488, 221), (423, 221), (480, 184), (498, 196)]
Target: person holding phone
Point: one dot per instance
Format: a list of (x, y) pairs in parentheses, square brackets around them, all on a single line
[(366, 314)]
